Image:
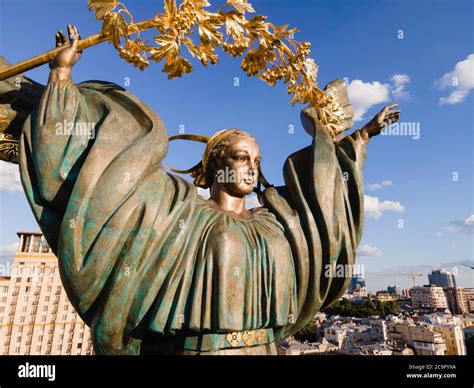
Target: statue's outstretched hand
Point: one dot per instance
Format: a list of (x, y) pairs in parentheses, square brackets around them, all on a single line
[(381, 120), (65, 60)]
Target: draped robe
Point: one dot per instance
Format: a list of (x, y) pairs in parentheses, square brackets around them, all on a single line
[(140, 251)]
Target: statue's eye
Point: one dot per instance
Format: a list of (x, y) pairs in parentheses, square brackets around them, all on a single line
[(240, 158)]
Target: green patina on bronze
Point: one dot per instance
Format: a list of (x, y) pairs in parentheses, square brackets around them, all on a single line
[(142, 256)]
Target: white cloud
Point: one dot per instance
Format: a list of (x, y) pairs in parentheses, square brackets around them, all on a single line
[(398, 89), (8, 251), (375, 208), (367, 250), (461, 79), (364, 95), (378, 186), (466, 225), (203, 192), (10, 178), (250, 202)]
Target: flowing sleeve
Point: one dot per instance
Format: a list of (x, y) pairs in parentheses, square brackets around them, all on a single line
[(90, 166), (322, 210), (91, 121)]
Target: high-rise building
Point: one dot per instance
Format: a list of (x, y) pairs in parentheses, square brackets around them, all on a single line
[(357, 281), (465, 298), (430, 297), (394, 290), (454, 337), (36, 316), (459, 299), (441, 278)]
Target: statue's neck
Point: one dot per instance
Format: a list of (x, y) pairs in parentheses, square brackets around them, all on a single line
[(223, 200)]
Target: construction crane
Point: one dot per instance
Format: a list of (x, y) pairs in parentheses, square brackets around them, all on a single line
[(413, 276)]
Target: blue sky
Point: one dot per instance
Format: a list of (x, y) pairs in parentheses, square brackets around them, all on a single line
[(424, 44)]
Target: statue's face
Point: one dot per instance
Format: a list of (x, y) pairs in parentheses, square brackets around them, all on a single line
[(238, 168)]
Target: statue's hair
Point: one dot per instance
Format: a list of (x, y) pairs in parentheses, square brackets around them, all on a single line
[(218, 152)]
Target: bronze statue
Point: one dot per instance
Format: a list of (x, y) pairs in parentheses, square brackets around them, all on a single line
[(154, 268)]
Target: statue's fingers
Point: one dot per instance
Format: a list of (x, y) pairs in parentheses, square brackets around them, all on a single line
[(393, 113), (62, 37), (73, 36), (57, 39), (391, 119), (78, 36), (70, 31)]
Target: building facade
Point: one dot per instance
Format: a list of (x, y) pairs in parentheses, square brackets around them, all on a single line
[(465, 299), (430, 297), (423, 340), (36, 317), (454, 338)]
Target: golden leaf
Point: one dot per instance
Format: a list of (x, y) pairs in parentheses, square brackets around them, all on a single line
[(208, 31), (114, 26), (170, 7), (102, 7), (240, 5), (169, 46), (233, 24), (176, 66)]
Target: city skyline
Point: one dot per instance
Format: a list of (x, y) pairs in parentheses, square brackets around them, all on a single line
[(419, 185)]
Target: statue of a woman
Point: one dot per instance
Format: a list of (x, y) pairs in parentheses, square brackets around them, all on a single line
[(154, 268)]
